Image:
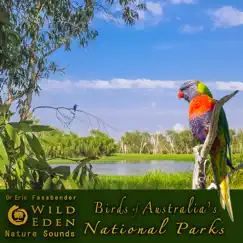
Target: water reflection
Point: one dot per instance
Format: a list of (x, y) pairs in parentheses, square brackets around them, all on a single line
[(122, 168)]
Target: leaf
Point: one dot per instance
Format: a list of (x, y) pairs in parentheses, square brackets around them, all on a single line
[(70, 184), (23, 141), (3, 155), (48, 185), (27, 173), (14, 38), (51, 185), (28, 121), (2, 184), (59, 185), (76, 172), (19, 173), (4, 19), (38, 165), (63, 170), (83, 175), (13, 135), (35, 146), (4, 108), (21, 126), (41, 128)]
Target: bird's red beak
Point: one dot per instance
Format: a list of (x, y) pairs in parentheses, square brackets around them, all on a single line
[(180, 94)]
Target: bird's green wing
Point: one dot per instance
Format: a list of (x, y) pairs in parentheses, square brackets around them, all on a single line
[(203, 89), (223, 124)]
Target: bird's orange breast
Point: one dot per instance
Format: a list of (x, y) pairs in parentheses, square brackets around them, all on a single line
[(200, 105)]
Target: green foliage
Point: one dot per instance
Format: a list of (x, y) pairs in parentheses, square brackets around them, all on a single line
[(157, 180), (3, 155), (63, 171), (58, 144), (9, 40), (31, 31), (17, 152), (23, 162)]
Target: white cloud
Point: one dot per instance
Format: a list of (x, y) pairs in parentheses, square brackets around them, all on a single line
[(55, 84), (183, 1), (141, 15), (226, 16), (117, 83), (178, 127), (152, 17), (190, 29), (229, 85), (155, 13), (126, 84), (154, 8)]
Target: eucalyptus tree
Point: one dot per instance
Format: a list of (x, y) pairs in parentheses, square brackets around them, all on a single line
[(137, 142), (43, 27), (58, 144), (9, 40)]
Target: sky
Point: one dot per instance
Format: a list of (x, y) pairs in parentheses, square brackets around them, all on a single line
[(129, 76)]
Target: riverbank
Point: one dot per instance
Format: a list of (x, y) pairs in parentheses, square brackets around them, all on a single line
[(156, 180), (132, 158), (237, 158)]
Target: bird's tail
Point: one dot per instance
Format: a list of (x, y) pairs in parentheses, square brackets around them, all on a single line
[(225, 196)]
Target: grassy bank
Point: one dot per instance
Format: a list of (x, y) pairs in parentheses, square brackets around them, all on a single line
[(237, 158), (157, 180), (132, 158)]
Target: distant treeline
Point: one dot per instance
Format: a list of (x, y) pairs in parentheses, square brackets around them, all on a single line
[(60, 144), (170, 142)]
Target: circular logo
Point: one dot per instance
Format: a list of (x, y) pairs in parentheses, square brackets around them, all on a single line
[(17, 216)]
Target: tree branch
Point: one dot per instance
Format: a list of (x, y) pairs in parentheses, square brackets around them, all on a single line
[(11, 98), (72, 115), (52, 50), (201, 151)]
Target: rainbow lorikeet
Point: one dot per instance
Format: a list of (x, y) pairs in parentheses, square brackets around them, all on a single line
[(201, 104)]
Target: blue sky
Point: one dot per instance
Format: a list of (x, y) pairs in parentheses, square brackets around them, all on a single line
[(129, 76)]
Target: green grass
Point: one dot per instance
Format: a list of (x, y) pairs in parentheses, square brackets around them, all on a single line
[(60, 161), (132, 158), (237, 158), (156, 180)]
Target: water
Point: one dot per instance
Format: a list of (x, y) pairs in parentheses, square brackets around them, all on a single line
[(123, 168)]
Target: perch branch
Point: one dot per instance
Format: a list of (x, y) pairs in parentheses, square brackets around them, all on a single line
[(67, 119), (201, 151)]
